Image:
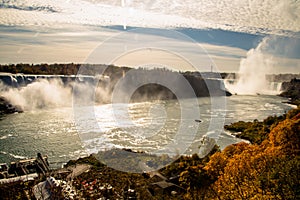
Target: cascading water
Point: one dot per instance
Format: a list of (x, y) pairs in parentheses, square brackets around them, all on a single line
[(251, 78), (31, 92), (275, 86)]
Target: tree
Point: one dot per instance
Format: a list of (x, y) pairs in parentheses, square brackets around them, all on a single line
[(287, 135)]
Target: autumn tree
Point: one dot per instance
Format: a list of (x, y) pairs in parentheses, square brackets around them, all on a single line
[(269, 170)]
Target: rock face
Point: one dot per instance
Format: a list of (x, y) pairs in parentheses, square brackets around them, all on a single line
[(7, 108), (292, 90), (159, 84)]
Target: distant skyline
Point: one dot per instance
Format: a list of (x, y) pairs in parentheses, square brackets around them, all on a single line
[(58, 31)]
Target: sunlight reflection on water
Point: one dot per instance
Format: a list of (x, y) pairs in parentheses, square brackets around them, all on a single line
[(150, 126)]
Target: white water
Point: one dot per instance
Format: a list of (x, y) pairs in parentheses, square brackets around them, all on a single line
[(251, 77), (51, 93), (40, 94)]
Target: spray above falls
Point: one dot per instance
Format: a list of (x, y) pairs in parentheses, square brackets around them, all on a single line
[(252, 76), (31, 92)]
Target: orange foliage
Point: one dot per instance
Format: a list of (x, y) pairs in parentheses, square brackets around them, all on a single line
[(219, 160), (287, 135), (266, 171)]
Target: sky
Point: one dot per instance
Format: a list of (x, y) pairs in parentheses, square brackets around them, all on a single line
[(185, 35)]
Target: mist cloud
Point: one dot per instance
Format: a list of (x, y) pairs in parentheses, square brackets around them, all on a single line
[(263, 60)]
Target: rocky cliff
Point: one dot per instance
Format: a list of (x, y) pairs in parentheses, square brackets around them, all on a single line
[(292, 90)]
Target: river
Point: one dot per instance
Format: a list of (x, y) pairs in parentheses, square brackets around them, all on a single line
[(151, 126)]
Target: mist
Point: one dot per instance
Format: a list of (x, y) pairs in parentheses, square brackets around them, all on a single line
[(259, 62), (40, 94), (52, 93)]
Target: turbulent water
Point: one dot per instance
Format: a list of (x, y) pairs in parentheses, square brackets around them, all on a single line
[(150, 126)]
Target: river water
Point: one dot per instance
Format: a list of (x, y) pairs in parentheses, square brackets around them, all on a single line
[(151, 126)]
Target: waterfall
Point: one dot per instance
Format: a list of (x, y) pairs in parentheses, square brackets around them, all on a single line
[(30, 92), (279, 86), (273, 88)]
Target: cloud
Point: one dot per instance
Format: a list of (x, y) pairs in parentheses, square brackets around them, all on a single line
[(9, 5), (256, 17), (283, 46), (18, 44), (21, 44)]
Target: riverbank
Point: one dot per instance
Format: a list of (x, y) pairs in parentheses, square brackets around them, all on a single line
[(257, 131)]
